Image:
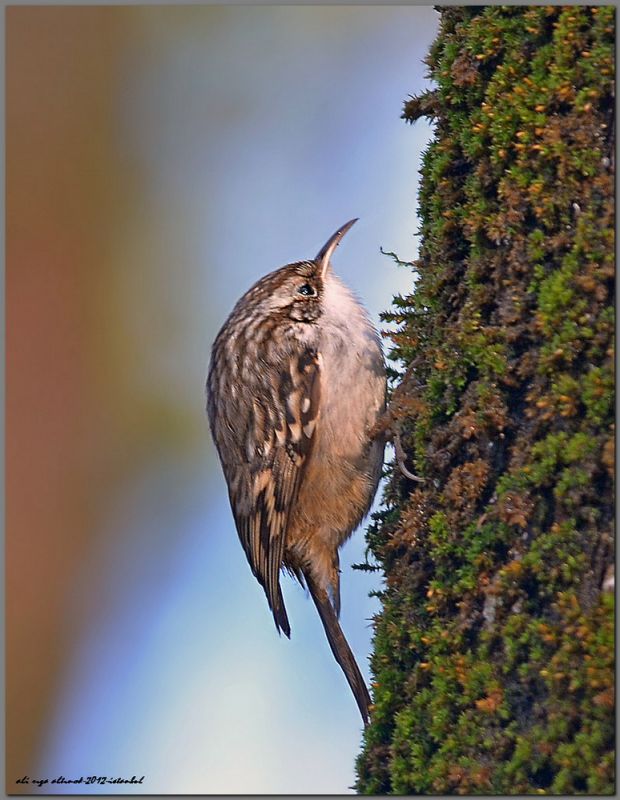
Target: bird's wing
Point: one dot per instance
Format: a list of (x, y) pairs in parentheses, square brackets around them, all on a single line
[(267, 466)]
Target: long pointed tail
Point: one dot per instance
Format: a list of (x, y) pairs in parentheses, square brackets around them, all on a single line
[(340, 646), (280, 616)]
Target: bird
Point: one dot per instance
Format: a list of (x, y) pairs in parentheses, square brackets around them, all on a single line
[(296, 390)]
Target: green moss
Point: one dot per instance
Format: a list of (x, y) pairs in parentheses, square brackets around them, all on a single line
[(598, 394), (493, 651)]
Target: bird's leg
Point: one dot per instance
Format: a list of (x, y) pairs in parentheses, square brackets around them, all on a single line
[(382, 426), (388, 426)]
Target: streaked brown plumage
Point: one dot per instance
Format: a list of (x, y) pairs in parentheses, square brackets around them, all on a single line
[(296, 384)]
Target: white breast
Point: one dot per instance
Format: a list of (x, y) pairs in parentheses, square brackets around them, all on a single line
[(353, 371)]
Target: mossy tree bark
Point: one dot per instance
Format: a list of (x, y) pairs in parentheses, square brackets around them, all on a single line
[(493, 652)]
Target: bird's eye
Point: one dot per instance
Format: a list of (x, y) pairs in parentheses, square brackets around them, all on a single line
[(307, 290)]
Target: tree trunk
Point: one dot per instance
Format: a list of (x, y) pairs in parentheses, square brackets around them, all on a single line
[(493, 652)]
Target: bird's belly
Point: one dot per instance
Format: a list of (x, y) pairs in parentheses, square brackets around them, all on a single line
[(336, 493), (344, 468)]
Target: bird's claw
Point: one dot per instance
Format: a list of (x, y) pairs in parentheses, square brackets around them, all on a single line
[(387, 426), (400, 458)]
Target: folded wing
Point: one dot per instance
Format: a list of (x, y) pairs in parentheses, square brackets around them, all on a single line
[(263, 455)]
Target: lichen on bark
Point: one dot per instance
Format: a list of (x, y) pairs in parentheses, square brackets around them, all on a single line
[(493, 652)]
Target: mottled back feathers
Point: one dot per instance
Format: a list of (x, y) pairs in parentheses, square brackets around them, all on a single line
[(263, 452)]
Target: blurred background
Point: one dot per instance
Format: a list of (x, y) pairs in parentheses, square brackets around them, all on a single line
[(159, 160)]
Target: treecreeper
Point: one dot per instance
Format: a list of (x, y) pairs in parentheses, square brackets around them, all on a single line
[(295, 391)]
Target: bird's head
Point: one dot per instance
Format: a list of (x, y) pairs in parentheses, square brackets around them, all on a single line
[(295, 290)]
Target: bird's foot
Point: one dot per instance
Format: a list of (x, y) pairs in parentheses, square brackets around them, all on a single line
[(400, 458), (389, 427)]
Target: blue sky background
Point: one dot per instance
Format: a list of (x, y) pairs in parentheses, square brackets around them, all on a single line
[(243, 138)]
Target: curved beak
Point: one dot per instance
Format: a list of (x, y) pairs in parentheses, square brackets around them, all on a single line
[(325, 253)]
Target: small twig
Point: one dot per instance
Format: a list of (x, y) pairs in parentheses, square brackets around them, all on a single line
[(399, 261)]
